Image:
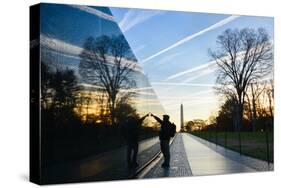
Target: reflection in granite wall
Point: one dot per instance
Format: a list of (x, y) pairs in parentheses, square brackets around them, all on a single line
[(91, 84)]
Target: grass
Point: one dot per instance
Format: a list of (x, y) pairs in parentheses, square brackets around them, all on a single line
[(252, 143)]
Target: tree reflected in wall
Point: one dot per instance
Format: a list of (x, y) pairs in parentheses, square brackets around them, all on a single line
[(105, 62), (78, 109)]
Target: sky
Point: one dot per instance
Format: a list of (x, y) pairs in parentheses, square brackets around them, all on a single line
[(172, 48)]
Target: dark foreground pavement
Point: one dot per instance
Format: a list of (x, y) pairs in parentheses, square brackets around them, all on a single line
[(111, 165)]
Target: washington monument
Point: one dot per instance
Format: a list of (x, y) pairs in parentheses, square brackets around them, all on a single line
[(182, 119)]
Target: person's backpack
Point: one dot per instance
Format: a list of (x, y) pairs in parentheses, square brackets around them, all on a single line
[(173, 128)]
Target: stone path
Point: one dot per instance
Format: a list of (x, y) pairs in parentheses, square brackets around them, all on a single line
[(191, 155), (179, 165), (251, 162), (205, 161)]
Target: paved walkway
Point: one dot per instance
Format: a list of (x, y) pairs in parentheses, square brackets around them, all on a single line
[(205, 161), (191, 155), (179, 165), (257, 164)]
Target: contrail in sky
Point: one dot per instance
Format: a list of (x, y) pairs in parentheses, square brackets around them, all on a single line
[(190, 37), (94, 11)]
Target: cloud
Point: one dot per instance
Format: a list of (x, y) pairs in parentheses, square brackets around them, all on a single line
[(166, 59), (205, 66), (205, 69), (190, 74), (94, 11), (141, 91), (138, 91), (194, 103), (199, 75), (59, 46), (139, 48), (186, 98), (145, 102), (72, 51), (202, 70), (190, 37), (134, 17), (181, 84)]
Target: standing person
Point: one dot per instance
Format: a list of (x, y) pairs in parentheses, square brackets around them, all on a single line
[(132, 138), (167, 131)]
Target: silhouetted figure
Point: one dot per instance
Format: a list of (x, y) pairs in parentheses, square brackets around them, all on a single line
[(167, 131), (132, 137)]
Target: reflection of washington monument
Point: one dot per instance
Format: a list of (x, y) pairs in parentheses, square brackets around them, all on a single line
[(182, 120)]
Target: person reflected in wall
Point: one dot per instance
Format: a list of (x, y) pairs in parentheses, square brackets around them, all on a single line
[(167, 131), (133, 125)]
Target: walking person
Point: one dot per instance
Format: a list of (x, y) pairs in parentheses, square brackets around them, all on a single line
[(167, 131), (132, 138)]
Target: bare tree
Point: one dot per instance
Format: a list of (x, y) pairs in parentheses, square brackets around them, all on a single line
[(256, 89), (125, 107), (107, 62), (242, 57), (270, 95), (87, 99), (101, 99)]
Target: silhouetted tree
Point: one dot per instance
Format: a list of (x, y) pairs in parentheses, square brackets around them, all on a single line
[(64, 85), (256, 90), (102, 102), (58, 94), (46, 79), (85, 99), (195, 125), (188, 126), (270, 94), (125, 108), (107, 62), (242, 56), (226, 115)]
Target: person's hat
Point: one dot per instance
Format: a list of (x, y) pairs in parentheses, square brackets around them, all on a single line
[(166, 116)]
